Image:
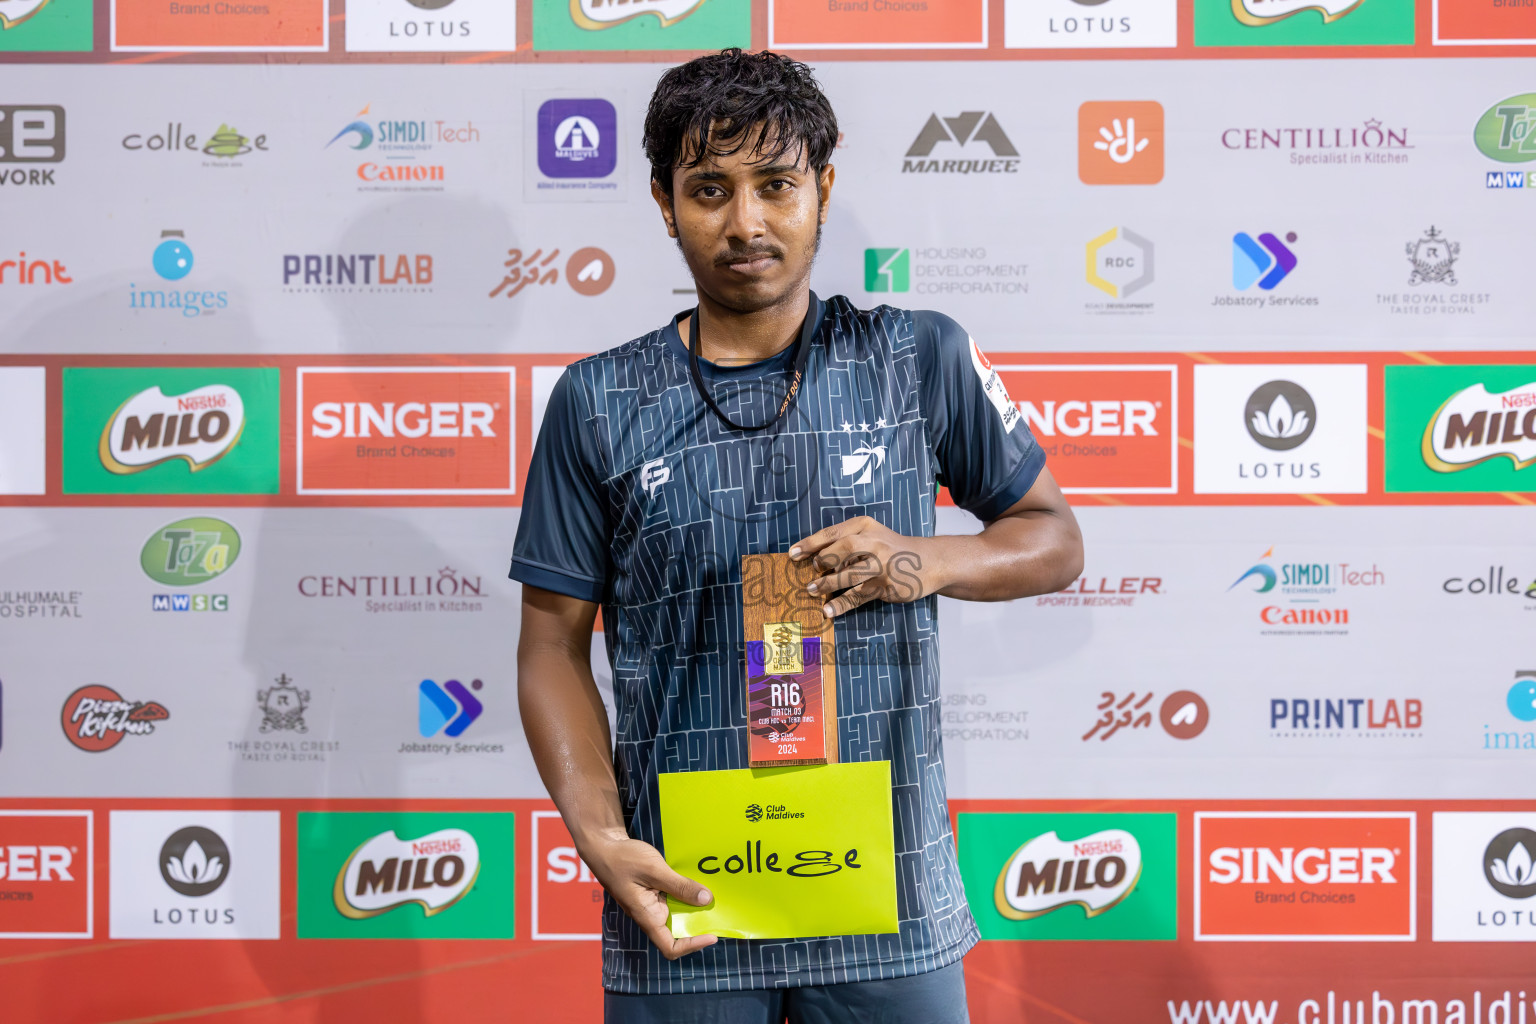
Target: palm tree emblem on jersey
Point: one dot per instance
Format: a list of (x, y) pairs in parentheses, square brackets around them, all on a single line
[(863, 462)]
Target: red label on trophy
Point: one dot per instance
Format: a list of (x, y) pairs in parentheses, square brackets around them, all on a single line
[(791, 677)]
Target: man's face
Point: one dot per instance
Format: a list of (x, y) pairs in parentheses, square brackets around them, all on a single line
[(747, 225)]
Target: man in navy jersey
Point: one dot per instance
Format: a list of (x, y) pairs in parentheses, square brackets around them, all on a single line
[(765, 420)]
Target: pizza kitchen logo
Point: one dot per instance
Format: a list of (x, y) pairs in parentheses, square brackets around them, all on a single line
[(1047, 873), (96, 718), (385, 872), (200, 427)]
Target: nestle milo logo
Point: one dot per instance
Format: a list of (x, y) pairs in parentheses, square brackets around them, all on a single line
[(190, 551)]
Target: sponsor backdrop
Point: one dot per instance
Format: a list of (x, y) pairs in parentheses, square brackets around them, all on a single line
[(285, 287)]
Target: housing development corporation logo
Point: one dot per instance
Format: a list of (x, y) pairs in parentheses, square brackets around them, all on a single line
[(29, 136), (971, 132), (406, 875), (96, 718), (887, 270), (1460, 428), (47, 874), (1120, 142), (944, 270), (1070, 876), (1317, 877)]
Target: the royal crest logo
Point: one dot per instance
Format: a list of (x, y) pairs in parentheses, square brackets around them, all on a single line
[(96, 718), (200, 426), (1433, 258), (1476, 425), (1047, 873), (600, 14), (385, 872), (282, 707)]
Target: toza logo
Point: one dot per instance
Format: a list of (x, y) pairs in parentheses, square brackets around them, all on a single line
[(200, 426), (385, 872), (1047, 873), (1504, 133), (190, 551), (1433, 258), (1280, 415)]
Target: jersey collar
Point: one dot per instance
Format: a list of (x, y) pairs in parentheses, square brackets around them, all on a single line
[(776, 363)]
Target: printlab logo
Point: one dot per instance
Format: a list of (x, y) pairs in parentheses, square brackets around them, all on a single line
[(282, 707), (194, 861), (96, 718), (589, 271), (1505, 133), (1183, 714), (224, 145), (172, 260), (1266, 261), (1120, 264), (1120, 142), (969, 131), (1433, 258), (1280, 415), (30, 135), (1332, 717), (887, 270), (375, 273), (448, 709), (578, 138)]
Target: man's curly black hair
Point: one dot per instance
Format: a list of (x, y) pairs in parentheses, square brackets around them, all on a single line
[(713, 106)]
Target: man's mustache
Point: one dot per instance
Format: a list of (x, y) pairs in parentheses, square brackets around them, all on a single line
[(741, 255)]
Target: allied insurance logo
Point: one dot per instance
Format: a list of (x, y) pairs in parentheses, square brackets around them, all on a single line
[(1107, 429), (1305, 876), (46, 875), (406, 430)]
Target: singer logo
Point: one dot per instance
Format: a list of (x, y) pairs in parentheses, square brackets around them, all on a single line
[(567, 897), (1303, 877), (406, 430), (1105, 429), (45, 875)]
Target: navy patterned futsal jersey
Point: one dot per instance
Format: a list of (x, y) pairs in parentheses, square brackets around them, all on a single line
[(641, 499)]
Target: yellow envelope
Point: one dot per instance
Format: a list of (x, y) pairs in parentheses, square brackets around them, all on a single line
[(786, 852)]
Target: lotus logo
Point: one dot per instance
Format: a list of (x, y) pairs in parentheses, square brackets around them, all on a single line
[(194, 861), (754, 812), (190, 551), (1048, 873), (1280, 415), (200, 426), (434, 872), (1509, 863)]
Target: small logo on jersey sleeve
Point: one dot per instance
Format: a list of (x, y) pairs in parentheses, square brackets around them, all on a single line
[(992, 387), (653, 474)]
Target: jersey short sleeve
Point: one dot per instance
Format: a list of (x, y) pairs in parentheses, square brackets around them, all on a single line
[(562, 533), (986, 455)]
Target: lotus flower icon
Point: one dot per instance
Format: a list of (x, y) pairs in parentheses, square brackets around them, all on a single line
[(194, 861), (1280, 415), (194, 867), (1510, 865), (1280, 420), (1516, 868)]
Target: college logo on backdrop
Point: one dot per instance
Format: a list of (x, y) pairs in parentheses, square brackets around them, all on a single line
[(1484, 877), (1303, 23), (46, 875), (1071, 876), (1108, 429), (170, 431), (1460, 428), (46, 26), (96, 718), (1505, 133), (195, 875), (641, 24), (567, 897), (408, 875), (1120, 142), (1315, 877), (430, 26), (187, 553), (432, 430), (224, 145), (1052, 24), (974, 135), (1280, 429), (30, 135)]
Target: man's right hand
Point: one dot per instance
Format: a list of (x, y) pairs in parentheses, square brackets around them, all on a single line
[(639, 879)]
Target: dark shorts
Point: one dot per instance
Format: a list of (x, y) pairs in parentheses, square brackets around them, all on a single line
[(937, 997)]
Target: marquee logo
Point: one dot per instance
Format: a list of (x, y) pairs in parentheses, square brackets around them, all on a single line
[(96, 718), (1475, 425), (47, 875), (435, 872), (963, 130), (1313, 877), (1046, 874), (200, 427), (406, 430)]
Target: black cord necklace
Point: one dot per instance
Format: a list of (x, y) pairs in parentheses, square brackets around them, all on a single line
[(806, 330)]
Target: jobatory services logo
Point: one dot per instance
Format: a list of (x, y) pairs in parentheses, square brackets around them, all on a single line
[(1071, 876), (164, 430), (403, 155), (1305, 876), (1520, 704), (46, 26), (1182, 714), (172, 260), (1460, 428), (641, 24), (223, 147), (1484, 876), (976, 135), (406, 430), (567, 897), (444, 591), (1280, 428), (1370, 143), (195, 875), (188, 553), (449, 708), (1304, 23), (589, 271), (430, 26), (47, 875), (1346, 717), (1120, 264), (30, 135), (1120, 142), (23, 430), (1297, 598), (1264, 261), (1504, 134), (944, 270), (1107, 428), (1089, 24), (446, 875), (96, 718)]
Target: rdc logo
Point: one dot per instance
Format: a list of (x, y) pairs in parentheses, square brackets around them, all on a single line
[(754, 812)]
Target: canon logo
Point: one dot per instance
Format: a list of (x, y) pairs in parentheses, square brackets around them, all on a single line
[(1099, 419), (407, 419), (36, 863), (1312, 865)]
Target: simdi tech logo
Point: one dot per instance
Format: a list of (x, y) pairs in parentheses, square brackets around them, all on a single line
[(1304, 22), (47, 875), (1071, 876), (1484, 877), (1305, 876), (1460, 428), (402, 154), (440, 875), (430, 26), (170, 430), (1120, 142), (406, 430), (29, 136), (641, 24), (1298, 598), (46, 26)]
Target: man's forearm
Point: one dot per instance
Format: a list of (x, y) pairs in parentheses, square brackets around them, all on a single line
[(1018, 555)]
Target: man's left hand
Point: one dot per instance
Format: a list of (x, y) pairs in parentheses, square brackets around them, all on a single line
[(866, 560)]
